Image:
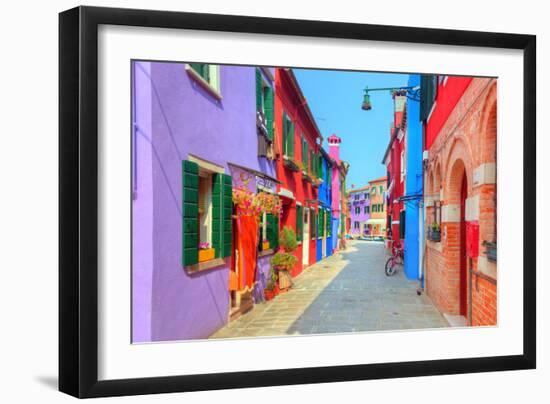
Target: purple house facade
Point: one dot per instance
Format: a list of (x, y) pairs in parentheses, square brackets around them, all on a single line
[(359, 208), (197, 135)]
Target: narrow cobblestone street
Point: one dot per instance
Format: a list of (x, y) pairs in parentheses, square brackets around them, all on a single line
[(343, 293)]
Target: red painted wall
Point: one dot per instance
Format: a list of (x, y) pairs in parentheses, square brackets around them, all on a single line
[(447, 96), (288, 99)]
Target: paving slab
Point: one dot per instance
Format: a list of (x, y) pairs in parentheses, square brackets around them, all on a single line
[(347, 292)]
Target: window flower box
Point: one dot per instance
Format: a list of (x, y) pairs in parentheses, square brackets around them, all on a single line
[(491, 250), (434, 235), (291, 164), (206, 254)]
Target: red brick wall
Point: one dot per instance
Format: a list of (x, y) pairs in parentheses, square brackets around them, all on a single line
[(465, 142)]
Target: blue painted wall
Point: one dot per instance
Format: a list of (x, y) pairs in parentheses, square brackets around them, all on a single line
[(413, 185), (325, 198)]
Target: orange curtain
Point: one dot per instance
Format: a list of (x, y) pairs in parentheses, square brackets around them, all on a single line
[(247, 245)]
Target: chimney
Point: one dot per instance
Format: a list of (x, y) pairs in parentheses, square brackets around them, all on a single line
[(334, 147), (399, 102)]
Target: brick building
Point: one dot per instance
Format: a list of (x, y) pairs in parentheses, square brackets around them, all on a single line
[(459, 116)]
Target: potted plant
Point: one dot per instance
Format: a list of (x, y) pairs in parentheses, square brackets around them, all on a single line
[(434, 233), (272, 287), (205, 252), (283, 261)]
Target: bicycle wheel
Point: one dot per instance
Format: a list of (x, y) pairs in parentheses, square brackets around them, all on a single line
[(389, 269)]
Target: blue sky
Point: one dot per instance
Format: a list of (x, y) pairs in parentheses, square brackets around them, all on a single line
[(335, 98)]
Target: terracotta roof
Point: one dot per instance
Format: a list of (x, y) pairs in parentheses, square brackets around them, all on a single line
[(353, 190), (384, 178)]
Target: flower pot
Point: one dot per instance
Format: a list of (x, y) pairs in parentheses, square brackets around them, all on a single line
[(434, 235), (206, 254), (269, 294), (285, 280)]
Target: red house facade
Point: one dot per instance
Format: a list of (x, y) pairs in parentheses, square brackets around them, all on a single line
[(298, 165), (394, 159), (460, 126)]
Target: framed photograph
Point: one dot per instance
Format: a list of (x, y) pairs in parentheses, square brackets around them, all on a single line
[(251, 202)]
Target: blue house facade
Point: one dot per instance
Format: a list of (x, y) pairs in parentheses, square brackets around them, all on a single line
[(324, 240), (414, 221)]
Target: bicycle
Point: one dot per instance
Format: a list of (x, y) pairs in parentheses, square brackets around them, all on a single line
[(395, 259)]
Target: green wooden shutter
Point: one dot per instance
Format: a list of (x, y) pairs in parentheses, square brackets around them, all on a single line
[(202, 69), (269, 108), (299, 222), (312, 224), (217, 187), (259, 90), (291, 139), (227, 213), (304, 154), (222, 210), (321, 223), (285, 135), (190, 212), (272, 231), (328, 221)]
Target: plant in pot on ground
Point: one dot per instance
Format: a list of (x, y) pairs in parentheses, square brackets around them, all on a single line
[(283, 261), (272, 287)]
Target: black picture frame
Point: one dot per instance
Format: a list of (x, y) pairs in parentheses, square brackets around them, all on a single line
[(78, 206)]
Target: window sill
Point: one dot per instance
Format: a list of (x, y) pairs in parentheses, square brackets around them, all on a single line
[(266, 252), (204, 266), (203, 83)]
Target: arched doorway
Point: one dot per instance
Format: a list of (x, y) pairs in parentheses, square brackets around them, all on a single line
[(456, 261), (463, 259)]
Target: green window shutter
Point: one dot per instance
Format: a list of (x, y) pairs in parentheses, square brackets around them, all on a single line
[(259, 90), (190, 212), (217, 187), (291, 139), (299, 222), (227, 213), (222, 210), (328, 222), (202, 69), (304, 153), (321, 223), (272, 231), (312, 224), (268, 109), (285, 135)]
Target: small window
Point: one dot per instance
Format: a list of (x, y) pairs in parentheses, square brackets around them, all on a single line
[(207, 75)]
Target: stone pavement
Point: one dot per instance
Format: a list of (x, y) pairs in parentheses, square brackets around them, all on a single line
[(346, 292)]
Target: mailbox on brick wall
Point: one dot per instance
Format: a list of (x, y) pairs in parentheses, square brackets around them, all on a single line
[(472, 239)]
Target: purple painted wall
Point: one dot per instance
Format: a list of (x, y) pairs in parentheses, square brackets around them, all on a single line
[(180, 118), (358, 200)]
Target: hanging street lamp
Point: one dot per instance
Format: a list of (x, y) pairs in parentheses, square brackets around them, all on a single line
[(412, 93)]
